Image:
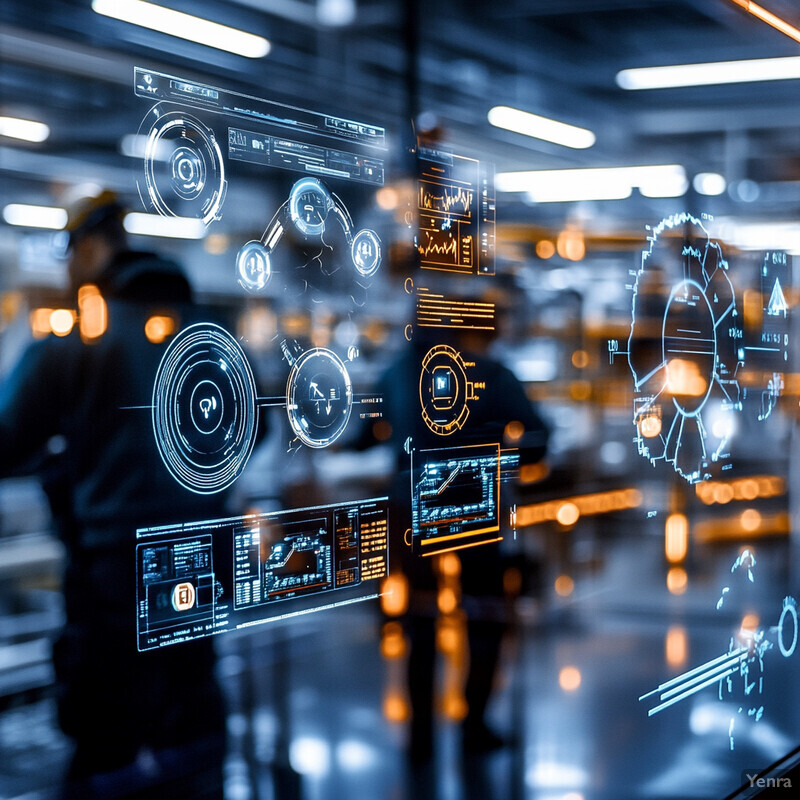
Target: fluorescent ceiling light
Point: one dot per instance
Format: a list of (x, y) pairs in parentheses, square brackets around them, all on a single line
[(710, 74), (26, 129), (549, 130), (709, 183), (134, 145), (35, 216), (336, 13), (777, 236), (169, 227), (770, 18), (570, 192), (184, 26), (603, 183)]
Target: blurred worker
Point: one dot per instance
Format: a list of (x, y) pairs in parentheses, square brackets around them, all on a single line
[(145, 724), (502, 408)]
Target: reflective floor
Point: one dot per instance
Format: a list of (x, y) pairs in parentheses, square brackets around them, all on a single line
[(311, 701)]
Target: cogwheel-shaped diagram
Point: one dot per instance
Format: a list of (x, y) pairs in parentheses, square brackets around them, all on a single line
[(684, 349)]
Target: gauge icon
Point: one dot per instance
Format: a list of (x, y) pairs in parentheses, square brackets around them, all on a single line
[(309, 204), (253, 266), (444, 390), (204, 408), (184, 172), (366, 252), (319, 397)]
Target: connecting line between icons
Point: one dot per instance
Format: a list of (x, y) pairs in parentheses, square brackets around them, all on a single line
[(696, 679)]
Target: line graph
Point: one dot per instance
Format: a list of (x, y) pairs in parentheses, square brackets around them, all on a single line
[(437, 247), (447, 247), (446, 198)]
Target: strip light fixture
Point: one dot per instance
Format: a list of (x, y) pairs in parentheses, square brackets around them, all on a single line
[(770, 18), (30, 216), (184, 26), (170, 227), (596, 183), (27, 130), (711, 73), (544, 128)]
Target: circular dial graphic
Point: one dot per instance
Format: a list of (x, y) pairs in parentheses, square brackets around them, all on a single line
[(204, 408), (686, 381), (309, 204), (253, 266), (366, 252), (319, 397), (183, 168), (444, 390)]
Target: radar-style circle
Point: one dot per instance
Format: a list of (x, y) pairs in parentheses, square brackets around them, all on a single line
[(309, 204), (204, 408), (253, 266), (366, 252), (443, 390), (789, 611), (183, 168), (319, 397)]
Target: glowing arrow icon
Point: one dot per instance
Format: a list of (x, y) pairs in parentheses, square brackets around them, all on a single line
[(777, 302)]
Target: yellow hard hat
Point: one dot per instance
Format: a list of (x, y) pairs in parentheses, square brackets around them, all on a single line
[(88, 212)]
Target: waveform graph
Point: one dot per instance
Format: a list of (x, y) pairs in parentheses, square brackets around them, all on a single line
[(445, 245), (446, 198)]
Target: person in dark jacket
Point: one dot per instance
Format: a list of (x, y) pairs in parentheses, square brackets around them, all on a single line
[(502, 402), (145, 724)]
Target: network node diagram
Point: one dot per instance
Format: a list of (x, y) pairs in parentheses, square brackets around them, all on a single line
[(309, 209)]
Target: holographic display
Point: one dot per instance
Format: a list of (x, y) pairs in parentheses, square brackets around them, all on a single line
[(319, 397), (437, 310), (204, 408), (203, 578), (158, 86), (184, 172), (767, 344), (690, 355), (308, 209), (445, 390), (739, 673), (456, 207), (455, 501)]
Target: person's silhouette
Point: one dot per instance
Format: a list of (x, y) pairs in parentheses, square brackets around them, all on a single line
[(145, 724)]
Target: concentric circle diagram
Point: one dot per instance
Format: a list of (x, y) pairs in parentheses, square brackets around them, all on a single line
[(319, 397), (685, 354), (309, 209), (184, 172), (444, 390), (204, 408)]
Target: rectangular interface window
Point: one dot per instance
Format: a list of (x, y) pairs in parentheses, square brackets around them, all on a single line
[(456, 497), (456, 206), (198, 579)]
